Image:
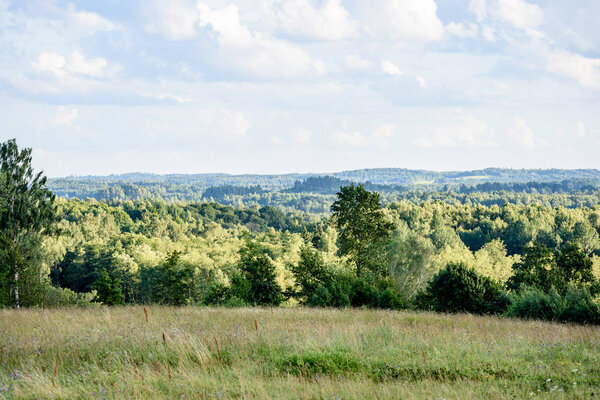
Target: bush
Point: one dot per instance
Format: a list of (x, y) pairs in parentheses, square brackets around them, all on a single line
[(62, 297), (534, 303), (331, 294), (580, 307), (390, 298), (220, 294), (457, 288)]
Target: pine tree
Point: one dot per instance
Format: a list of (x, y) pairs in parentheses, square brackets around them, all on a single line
[(27, 212)]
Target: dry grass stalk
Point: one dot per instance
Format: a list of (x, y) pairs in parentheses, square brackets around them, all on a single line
[(146, 314), (55, 372)]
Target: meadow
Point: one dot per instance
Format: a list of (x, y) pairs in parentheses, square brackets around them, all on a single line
[(296, 353)]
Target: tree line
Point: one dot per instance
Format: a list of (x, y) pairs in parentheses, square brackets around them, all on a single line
[(531, 261)]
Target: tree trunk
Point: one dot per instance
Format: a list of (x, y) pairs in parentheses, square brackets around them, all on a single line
[(16, 289)]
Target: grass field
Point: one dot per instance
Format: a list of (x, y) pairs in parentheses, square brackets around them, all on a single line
[(291, 353)]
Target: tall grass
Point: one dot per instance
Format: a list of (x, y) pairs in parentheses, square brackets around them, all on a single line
[(162, 352)]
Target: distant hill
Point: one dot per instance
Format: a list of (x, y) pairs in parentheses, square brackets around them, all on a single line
[(225, 188)]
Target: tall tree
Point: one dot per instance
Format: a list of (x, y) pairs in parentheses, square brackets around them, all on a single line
[(259, 272), (27, 210), (362, 225)]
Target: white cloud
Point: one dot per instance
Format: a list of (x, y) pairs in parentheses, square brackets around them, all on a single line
[(176, 19), (93, 67), (489, 34), (422, 81), (77, 64), (89, 21), (301, 136), (382, 133), (403, 20), (255, 54), (330, 22), (519, 13), (462, 31), (585, 70), (350, 139), (390, 68), (479, 8), (461, 130), (356, 62), (223, 123), (521, 133), (580, 129), (64, 116)]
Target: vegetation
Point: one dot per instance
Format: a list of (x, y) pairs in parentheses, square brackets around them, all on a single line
[(258, 353), (27, 212)]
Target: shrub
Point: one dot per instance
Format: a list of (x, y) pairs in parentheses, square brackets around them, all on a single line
[(331, 294), (534, 303), (217, 293), (62, 297), (389, 298), (457, 288), (580, 307)]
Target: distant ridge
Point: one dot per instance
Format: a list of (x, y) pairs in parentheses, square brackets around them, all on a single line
[(385, 176)]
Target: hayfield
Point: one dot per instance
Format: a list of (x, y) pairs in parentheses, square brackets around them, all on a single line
[(297, 353)]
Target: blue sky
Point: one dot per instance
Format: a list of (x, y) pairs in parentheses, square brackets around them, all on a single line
[(273, 86)]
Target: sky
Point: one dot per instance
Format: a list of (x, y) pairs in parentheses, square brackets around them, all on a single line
[(276, 86)]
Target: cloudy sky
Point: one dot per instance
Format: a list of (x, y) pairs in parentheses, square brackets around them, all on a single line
[(272, 86)]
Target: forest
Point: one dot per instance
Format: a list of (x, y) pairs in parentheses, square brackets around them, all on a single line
[(425, 250)]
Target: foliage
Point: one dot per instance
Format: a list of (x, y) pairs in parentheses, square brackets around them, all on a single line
[(361, 224), (534, 303), (27, 212), (580, 307), (545, 269), (108, 291), (309, 273), (259, 272), (62, 297), (457, 288)]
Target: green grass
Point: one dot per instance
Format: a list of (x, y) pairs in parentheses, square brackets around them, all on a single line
[(295, 353)]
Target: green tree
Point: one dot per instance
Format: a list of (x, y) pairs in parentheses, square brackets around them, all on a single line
[(575, 267), (259, 272), (177, 286), (108, 291), (309, 273), (27, 212), (362, 226), (537, 269)]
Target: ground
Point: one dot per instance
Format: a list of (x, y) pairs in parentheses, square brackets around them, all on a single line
[(295, 353)]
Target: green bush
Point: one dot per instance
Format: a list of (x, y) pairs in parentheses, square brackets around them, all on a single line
[(61, 297), (457, 288), (390, 298), (580, 307), (534, 303), (331, 294)]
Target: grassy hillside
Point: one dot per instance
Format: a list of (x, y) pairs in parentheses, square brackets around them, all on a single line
[(290, 353)]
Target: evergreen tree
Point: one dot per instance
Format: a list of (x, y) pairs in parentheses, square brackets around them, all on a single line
[(27, 212), (108, 291)]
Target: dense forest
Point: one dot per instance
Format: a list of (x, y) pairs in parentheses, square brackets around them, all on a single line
[(528, 249)]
